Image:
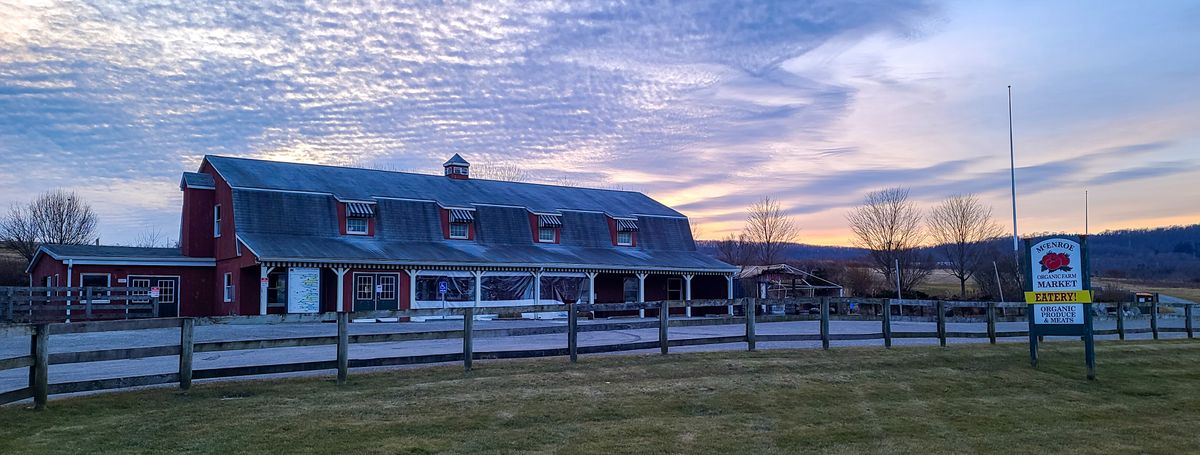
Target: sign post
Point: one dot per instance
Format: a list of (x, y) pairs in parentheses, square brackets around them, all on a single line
[(1058, 294)]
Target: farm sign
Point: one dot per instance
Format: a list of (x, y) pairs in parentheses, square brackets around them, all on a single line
[(1056, 272), (1057, 289)]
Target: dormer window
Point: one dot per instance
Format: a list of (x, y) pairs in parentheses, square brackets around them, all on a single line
[(357, 226), (625, 229), (460, 230), (625, 238), (548, 228), (460, 224), (358, 218)]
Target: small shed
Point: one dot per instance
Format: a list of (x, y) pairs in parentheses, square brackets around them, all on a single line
[(781, 281)]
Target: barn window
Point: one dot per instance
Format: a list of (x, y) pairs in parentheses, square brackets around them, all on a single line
[(357, 226), (217, 220), (228, 287), (460, 223), (96, 280), (548, 226), (625, 238), (460, 230)]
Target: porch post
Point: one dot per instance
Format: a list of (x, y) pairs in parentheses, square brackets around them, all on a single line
[(412, 286), (592, 287), (729, 293), (478, 286), (641, 293), (537, 287), (341, 289), (687, 293), (264, 271)]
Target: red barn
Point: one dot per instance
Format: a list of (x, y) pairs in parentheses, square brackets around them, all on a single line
[(261, 237)]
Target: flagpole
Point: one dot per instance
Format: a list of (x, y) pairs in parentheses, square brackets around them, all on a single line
[(1012, 163), (1085, 213)]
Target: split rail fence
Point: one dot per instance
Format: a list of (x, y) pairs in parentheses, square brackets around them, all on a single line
[(58, 304), (39, 358)]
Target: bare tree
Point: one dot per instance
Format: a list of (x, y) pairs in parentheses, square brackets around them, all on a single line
[(888, 226), (770, 230), (56, 217), (960, 227), (697, 230), (18, 231), (505, 173), (152, 238), (735, 249)]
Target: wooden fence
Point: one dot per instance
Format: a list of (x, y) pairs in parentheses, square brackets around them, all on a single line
[(39, 387), (66, 304)]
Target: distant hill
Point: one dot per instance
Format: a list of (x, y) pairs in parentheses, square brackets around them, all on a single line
[(799, 251), (1165, 254)]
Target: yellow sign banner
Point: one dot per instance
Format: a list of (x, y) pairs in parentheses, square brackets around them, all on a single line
[(1059, 297)]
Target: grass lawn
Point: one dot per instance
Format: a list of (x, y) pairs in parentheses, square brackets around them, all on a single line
[(961, 399)]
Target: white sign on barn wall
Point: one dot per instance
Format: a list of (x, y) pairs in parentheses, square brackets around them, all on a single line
[(304, 290)]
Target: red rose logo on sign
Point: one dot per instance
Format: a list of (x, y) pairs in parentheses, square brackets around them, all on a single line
[(1053, 262)]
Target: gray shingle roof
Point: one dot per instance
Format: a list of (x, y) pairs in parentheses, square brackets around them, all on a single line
[(456, 160), (196, 180), (106, 251), (364, 184), (300, 223)]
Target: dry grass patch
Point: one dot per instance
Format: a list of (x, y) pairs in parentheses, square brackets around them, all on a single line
[(979, 399)]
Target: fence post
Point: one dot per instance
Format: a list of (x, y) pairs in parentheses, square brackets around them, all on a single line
[(824, 323), (664, 311), (573, 332), (887, 323), (87, 302), (1154, 319), (991, 322), (1121, 320), (39, 381), (343, 346), (468, 346), (1187, 324), (11, 302), (941, 322), (751, 315), (186, 348)]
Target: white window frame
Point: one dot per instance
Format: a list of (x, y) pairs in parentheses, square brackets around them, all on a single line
[(107, 283), (543, 230), (466, 231), (628, 242), (228, 288), (366, 226), (217, 221)]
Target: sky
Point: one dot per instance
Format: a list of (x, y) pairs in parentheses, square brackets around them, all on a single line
[(706, 106)]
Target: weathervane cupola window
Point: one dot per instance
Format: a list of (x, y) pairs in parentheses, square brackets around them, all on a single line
[(457, 168)]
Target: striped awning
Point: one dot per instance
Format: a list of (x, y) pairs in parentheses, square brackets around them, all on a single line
[(624, 225), (549, 221), (360, 209), (461, 216)]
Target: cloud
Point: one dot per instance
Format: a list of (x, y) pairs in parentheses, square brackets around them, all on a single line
[(708, 105)]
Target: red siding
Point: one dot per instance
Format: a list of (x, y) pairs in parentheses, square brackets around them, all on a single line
[(195, 283), (196, 223)]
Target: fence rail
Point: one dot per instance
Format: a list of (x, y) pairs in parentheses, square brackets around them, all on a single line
[(56, 303), (39, 358)]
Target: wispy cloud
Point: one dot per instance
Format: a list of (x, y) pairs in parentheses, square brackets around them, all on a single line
[(707, 105)]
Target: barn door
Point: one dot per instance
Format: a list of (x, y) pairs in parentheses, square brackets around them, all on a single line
[(376, 291), (168, 297)]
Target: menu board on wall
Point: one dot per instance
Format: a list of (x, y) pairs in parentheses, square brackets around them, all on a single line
[(304, 290)]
